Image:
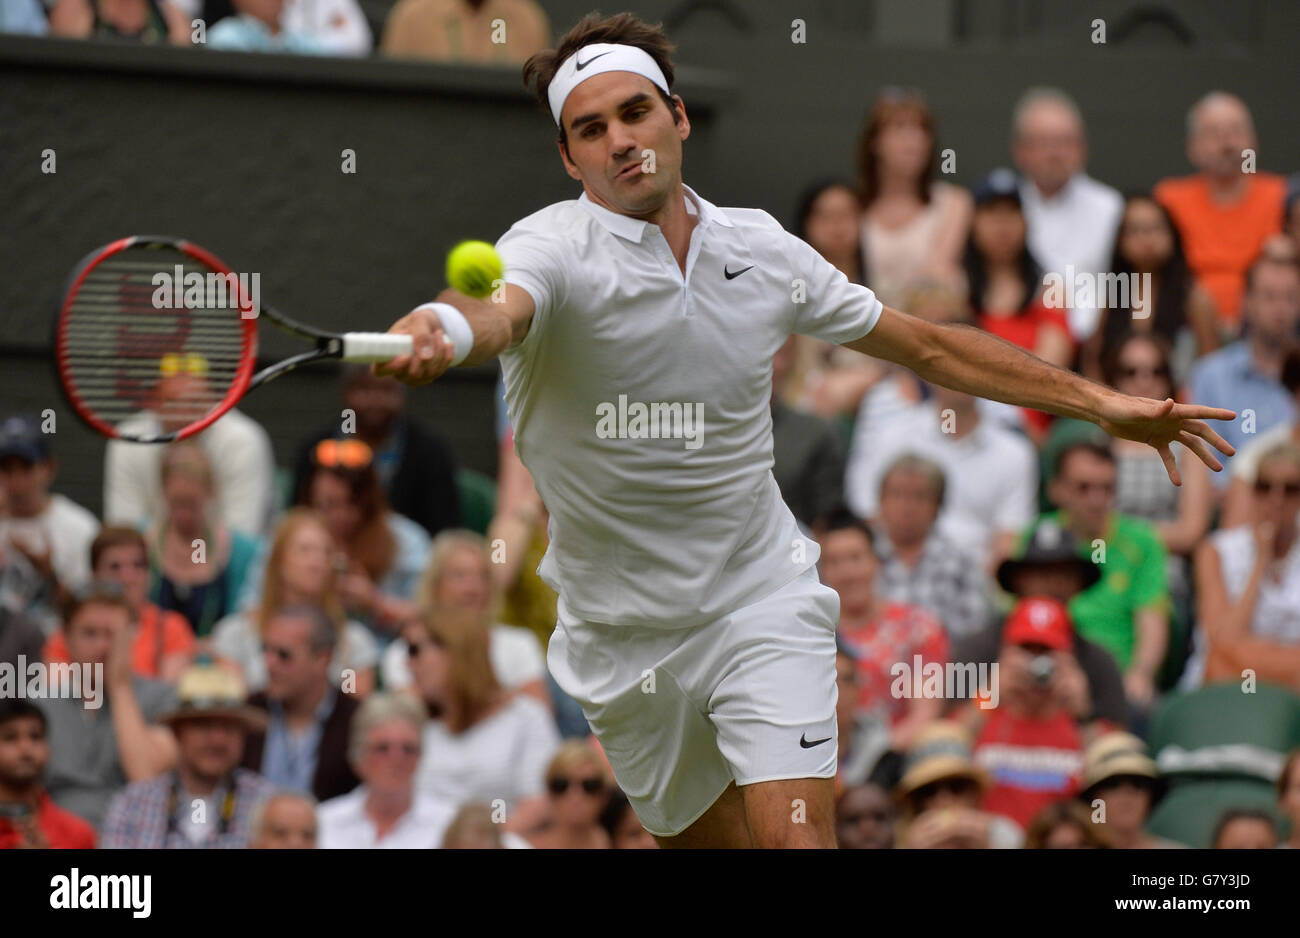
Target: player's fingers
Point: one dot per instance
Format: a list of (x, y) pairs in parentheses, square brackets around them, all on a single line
[(1171, 467), (1197, 446), (1200, 412), (1207, 432)]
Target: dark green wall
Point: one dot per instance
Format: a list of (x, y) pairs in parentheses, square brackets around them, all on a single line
[(242, 153)]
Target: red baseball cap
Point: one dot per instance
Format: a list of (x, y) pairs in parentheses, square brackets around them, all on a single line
[(1039, 621)]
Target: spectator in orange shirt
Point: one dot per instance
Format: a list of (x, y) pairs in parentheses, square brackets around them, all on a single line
[(28, 816), (162, 644), (1227, 210)]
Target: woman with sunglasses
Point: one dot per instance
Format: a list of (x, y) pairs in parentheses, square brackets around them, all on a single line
[(298, 569), (197, 563), (1177, 309), (385, 810), (578, 788), (480, 743), (380, 552), (1248, 582)]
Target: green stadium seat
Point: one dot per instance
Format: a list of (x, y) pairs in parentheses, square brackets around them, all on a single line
[(1189, 813), (478, 497)]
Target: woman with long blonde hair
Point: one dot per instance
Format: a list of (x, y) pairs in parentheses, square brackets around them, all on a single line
[(300, 568)]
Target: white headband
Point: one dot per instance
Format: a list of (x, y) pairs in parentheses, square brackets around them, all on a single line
[(593, 60)]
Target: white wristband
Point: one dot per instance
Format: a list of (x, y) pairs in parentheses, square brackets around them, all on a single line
[(456, 327)]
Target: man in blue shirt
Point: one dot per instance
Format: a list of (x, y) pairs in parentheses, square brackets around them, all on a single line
[(1244, 376)]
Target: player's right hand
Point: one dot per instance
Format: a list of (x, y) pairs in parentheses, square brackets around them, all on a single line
[(431, 351)]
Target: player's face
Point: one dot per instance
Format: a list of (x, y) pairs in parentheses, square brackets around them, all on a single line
[(23, 752), (622, 143)]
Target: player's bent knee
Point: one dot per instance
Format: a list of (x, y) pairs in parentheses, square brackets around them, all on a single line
[(796, 813)]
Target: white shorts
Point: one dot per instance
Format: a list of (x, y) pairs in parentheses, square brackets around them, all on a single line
[(682, 713)]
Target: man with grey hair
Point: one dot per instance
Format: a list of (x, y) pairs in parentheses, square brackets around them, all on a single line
[(385, 810), (919, 565), (1227, 209), (285, 821), (1071, 218), (305, 745)]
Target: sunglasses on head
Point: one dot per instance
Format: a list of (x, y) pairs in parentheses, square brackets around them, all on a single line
[(1289, 487), (559, 785), (342, 454)]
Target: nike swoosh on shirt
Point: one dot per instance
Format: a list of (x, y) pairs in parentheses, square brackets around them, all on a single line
[(579, 66), (805, 744), (733, 274)]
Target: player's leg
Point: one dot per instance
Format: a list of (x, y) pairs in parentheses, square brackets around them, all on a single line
[(723, 826), (771, 667), (658, 739), (798, 812)]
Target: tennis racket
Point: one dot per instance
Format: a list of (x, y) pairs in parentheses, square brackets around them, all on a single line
[(156, 338)]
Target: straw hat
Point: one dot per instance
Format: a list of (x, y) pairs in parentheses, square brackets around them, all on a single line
[(206, 691), (1115, 755), (940, 750)]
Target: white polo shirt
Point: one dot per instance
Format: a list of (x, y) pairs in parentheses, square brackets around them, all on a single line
[(344, 824), (1075, 227), (656, 519)]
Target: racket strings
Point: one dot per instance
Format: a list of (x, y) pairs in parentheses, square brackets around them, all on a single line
[(153, 330)]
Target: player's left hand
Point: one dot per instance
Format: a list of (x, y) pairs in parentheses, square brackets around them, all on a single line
[(1159, 423)]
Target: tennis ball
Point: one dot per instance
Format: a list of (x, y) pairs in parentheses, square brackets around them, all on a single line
[(472, 266)]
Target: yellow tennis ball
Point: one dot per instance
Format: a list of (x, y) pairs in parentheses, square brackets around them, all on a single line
[(472, 266)]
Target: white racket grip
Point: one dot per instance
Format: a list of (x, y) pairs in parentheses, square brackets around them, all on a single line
[(374, 346)]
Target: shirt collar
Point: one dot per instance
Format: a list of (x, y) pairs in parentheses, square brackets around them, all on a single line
[(633, 229)]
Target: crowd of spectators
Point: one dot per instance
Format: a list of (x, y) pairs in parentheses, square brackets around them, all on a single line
[(357, 663), (483, 32)]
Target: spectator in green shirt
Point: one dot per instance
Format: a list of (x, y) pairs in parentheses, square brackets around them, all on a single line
[(1127, 611)]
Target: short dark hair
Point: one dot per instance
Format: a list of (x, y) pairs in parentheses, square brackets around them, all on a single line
[(1291, 370), (115, 536), (98, 593), (19, 708), (621, 28), (324, 634), (1094, 447), (1242, 814), (841, 519), (1266, 259)]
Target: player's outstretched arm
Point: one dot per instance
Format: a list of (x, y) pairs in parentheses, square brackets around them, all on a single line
[(495, 327), (968, 359)]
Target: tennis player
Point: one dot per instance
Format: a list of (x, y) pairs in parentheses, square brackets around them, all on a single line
[(636, 330)]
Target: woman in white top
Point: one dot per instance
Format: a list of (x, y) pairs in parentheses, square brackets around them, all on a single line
[(300, 568), (1248, 583), (480, 743), (459, 575), (912, 225)]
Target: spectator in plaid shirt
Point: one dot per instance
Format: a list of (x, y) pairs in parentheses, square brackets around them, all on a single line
[(208, 800), (919, 565)]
